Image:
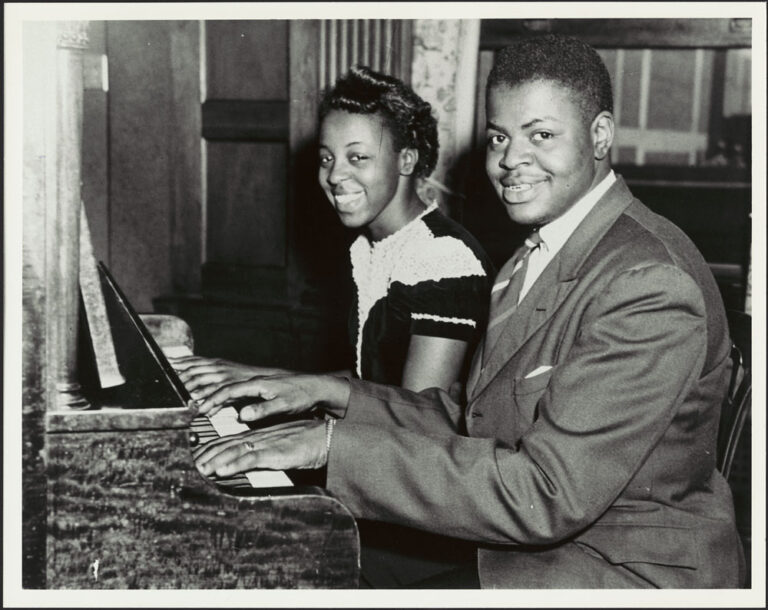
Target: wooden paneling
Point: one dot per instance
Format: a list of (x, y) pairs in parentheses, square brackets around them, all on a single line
[(233, 120), (624, 33), (141, 154), (186, 197), (276, 258), (141, 130), (245, 125), (247, 60), (299, 338), (318, 241), (246, 203)]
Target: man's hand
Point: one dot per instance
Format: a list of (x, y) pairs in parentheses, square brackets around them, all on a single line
[(288, 395), (203, 376), (298, 444)]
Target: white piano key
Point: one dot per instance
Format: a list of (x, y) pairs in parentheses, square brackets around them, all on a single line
[(226, 423)]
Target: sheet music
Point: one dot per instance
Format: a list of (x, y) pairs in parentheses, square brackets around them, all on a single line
[(225, 422), (96, 311)]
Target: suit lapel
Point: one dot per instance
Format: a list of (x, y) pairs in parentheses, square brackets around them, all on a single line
[(543, 299), (551, 288), (475, 368)]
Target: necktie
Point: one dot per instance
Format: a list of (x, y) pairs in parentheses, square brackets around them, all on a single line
[(506, 290)]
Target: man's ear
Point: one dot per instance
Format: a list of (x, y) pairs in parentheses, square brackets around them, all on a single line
[(409, 157), (602, 134)]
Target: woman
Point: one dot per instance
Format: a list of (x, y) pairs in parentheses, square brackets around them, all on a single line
[(421, 280)]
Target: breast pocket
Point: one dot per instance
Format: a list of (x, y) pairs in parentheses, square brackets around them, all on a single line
[(527, 392)]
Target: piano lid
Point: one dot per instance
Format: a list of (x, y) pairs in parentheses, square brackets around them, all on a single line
[(150, 381)]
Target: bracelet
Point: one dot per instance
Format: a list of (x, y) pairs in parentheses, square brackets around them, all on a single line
[(329, 423)]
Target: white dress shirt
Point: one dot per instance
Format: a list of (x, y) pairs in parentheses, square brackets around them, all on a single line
[(556, 233)]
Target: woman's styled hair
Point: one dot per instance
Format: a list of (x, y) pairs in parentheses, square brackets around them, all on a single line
[(568, 61), (407, 116)]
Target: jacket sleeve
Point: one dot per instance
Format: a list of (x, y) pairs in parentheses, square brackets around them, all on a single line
[(429, 411), (640, 349)]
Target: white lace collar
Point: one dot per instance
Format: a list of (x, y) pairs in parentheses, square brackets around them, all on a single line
[(372, 265)]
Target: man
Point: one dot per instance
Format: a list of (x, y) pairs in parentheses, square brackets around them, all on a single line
[(592, 408)]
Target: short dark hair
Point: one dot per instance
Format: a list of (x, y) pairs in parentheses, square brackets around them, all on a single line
[(568, 61), (407, 116)]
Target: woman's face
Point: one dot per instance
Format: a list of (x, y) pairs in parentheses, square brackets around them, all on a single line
[(359, 167)]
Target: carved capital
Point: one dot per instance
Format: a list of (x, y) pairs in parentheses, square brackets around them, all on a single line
[(69, 397), (72, 35)]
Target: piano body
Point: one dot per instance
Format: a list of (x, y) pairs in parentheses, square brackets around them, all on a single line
[(128, 509), (111, 498)]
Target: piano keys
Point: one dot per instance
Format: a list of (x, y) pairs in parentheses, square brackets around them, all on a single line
[(225, 422), (124, 494)]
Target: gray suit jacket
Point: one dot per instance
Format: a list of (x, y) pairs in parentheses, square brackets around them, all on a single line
[(613, 447)]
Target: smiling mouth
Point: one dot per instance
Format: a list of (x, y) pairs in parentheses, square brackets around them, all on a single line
[(520, 193), (518, 188), (347, 198)]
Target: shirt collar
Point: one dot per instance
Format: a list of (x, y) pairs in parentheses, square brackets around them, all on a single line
[(554, 234)]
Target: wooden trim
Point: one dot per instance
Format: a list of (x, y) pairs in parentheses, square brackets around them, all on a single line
[(186, 205), (304, 91), (715, 126), (250, 120), (107, 419), (406, 49), (689, 176), (624, 33)]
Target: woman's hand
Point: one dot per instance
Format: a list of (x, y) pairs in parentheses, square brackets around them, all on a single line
[(297, 444), (281, 395), (203, 376)]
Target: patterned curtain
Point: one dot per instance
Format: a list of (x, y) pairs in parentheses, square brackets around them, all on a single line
[(444, 72)]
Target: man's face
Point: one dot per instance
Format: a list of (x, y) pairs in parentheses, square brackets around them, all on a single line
[(359, 169), (540, 150)]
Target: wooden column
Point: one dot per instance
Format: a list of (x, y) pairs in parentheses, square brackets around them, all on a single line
[(72, 40), (303, 42), (39, 154)]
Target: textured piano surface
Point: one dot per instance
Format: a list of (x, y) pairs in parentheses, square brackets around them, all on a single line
[(127, 509)]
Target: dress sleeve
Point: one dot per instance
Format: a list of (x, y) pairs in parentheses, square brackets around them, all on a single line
[(454, 308), (451, 295)]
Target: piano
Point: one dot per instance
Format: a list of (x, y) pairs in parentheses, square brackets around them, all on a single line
[(128, 509), (110, 495)]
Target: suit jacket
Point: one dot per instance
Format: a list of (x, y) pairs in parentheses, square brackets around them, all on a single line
[(612, 448)]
